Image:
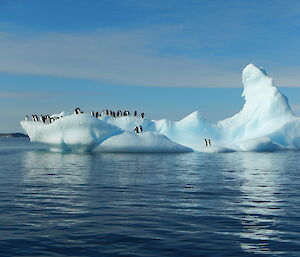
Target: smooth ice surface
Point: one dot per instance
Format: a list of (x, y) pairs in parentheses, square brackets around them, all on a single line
[(142, 142), (265, 123)]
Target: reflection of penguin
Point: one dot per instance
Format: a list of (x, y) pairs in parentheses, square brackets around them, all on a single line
[(142, 115), (205, 142)]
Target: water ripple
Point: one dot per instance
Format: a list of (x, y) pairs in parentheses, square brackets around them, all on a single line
[(235, 204)]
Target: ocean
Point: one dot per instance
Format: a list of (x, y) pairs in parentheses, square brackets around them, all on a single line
[(193, 204)]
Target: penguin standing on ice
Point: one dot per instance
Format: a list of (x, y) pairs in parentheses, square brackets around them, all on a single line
[(77, 111), (143, 115), (209, 143), (135, 113), (136, 130), (141, 129), (26, 118), (205, 140)]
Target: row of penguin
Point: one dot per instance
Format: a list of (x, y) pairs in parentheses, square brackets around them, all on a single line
[(47, 119)]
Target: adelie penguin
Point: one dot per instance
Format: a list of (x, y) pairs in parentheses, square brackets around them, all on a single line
[(77, 111), (205, 140)]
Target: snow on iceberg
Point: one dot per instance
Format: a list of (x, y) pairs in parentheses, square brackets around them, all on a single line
[(265, 123), (81, 132), (142, 142)]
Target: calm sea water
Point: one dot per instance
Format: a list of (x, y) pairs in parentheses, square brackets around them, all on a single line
[(233, 204)]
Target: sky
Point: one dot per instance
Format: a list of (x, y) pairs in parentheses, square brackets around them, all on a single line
[(165, 58)]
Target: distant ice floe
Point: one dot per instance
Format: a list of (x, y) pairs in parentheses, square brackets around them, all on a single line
[(265, 123)]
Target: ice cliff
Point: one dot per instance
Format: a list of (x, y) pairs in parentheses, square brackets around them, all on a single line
[(265, 123)]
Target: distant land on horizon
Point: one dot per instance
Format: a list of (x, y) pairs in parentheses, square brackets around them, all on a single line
[(10, 135)]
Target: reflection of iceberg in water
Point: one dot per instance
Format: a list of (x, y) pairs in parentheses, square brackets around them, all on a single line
[(54, 181), (259, 201)]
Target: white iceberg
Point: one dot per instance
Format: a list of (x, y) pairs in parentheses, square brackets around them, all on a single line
[(265, 123)]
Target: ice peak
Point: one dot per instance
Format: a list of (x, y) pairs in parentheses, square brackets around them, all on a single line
[(192, 117), (252, 73)]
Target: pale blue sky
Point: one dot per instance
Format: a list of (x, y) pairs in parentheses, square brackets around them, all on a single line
[(167, 58)]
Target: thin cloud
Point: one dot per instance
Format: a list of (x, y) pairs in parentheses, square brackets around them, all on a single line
[(127, 57), (33, 95), (118, 57)]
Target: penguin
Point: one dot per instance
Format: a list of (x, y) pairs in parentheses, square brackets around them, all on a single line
[(77, 111), (135, 113), (205, 142), (141, 129), (125, 113), (97, 114), (26, 118), (92, 113), (209, 143), (136, 130), (114, 114), (143, 115), (106, 112)]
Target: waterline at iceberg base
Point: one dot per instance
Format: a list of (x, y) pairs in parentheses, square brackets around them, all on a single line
[(265, 123)]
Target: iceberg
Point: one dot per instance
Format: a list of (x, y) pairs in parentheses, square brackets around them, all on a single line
[(265, 123)]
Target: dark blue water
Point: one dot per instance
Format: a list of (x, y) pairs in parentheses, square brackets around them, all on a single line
[(233, 204)]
